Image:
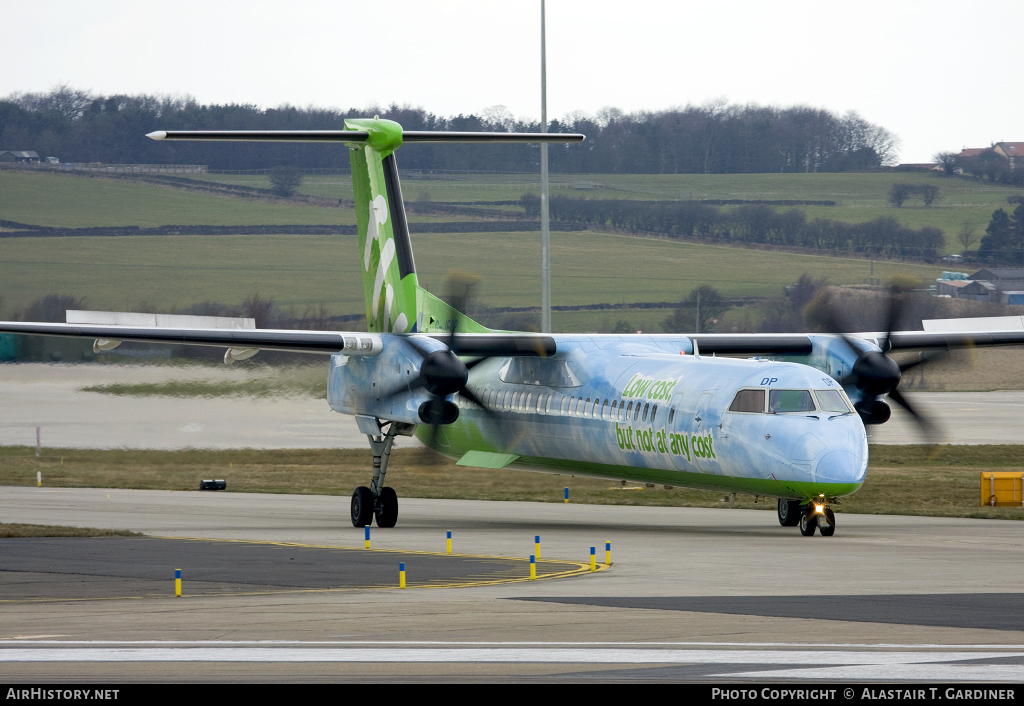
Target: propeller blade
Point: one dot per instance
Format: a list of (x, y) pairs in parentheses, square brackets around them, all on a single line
[(417, 346), (403, 388), (466, 393), (476, 361), (927, 426), (923, 359)]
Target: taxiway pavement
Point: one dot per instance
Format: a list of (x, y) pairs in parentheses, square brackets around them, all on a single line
[(692, 593)]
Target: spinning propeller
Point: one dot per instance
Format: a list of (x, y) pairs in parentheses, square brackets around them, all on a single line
[(443, 373), (875, 373)]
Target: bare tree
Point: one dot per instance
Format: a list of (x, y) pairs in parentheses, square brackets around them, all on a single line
[(929, 192), (948, 162), (967, 235)]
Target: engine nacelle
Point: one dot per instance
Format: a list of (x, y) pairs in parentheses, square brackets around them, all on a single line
[(873, 411)]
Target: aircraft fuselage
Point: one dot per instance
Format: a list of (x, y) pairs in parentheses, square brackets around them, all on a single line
[(619, 409)]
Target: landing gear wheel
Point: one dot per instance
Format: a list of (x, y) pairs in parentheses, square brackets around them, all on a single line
[(808, 523), (362, 507), (387, 508), (789, 512), (831, 529)]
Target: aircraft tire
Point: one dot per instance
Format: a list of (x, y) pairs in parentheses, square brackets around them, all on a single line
[(808, 523), (387, 509), (831, 530), (789, 512), (362, 507)]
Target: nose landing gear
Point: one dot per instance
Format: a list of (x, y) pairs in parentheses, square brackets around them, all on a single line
[(811, 516), (789, 512)]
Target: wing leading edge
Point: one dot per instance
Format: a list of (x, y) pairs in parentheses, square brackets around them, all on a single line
[(322, 342)]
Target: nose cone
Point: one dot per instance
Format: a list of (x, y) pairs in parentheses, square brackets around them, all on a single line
[(840, 466)]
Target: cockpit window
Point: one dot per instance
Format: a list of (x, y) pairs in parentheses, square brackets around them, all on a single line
[(748, 401), (832, 401), (780, 401)]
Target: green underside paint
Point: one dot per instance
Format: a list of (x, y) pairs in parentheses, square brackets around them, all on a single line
[(467, 438), (701, 481), (486, 459)]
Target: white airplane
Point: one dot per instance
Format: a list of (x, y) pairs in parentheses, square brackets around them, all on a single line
[(667, 409)]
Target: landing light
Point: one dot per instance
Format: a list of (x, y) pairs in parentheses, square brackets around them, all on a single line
[(819, 509)]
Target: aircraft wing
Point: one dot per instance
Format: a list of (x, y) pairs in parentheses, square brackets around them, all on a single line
[(768, 344), (322, 342)]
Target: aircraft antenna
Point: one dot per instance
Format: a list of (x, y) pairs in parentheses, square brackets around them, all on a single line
[(545, 230)]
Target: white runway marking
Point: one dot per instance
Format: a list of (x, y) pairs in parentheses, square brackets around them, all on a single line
[(563, 655)]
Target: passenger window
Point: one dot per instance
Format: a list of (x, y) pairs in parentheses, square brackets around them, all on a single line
[(832, 401), (629, 410), (566, 403), (654, 413), (529, 399), (540, 403), (579, 407), (671, 414), (615, 403), (748, 401), (604, 410), (781, 401), (646, 408), (587, 409), (636, 412)]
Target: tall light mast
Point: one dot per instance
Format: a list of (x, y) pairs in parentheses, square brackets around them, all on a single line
[(545, 232)]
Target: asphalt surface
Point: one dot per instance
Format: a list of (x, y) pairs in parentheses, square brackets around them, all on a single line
[(692, 594), (119, 567), (991, 611)]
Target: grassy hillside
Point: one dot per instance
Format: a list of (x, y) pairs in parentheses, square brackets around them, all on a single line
[(74, 201), (859, 197), (169, 272)]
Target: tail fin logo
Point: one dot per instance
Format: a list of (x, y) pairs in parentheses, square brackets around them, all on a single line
[(378, 216)]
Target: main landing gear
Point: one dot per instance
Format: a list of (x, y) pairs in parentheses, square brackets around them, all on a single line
[(811, 516), (378, 500)]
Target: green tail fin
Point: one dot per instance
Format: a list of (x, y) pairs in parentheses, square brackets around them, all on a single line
[(395, 303)]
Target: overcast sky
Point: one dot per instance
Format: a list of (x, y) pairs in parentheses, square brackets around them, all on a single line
[(941, 75)]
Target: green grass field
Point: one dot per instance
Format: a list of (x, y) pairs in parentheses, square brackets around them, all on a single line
[(860, 197), (901, 480), (59, 200), (172, 272)]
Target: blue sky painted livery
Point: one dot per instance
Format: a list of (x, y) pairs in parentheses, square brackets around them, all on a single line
[(783, 416)]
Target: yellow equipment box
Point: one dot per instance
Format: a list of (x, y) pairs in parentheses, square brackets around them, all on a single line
[(1002, 489)]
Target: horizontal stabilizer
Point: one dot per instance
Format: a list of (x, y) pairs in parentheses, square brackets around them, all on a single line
[(263, 135), (427, 136), (344, 136)]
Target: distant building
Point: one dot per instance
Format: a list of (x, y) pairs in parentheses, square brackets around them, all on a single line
[(968, 152), (996, 285), (1013, 151), (999, 273), (919, 166), (18, 156)]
